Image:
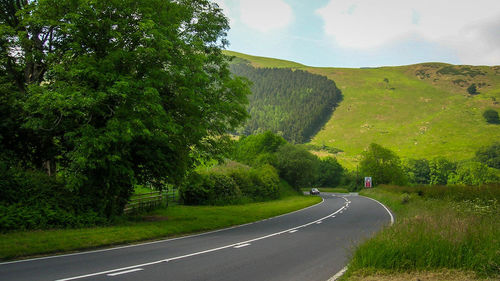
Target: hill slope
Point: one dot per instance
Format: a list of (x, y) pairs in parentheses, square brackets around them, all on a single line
[(418, 111), (292, 103)]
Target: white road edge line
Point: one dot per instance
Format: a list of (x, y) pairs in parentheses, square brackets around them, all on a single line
[(293, 231), (202, 252), (343, 270), (338, 274), (125, 272), (158, 241)]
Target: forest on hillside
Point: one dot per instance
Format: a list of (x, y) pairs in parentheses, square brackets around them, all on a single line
[(292, 103)]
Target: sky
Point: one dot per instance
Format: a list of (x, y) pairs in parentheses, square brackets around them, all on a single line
[(366, 33)]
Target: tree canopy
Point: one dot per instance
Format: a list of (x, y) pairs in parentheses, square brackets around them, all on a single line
[(383, 165), (292, 103), (107, 94)]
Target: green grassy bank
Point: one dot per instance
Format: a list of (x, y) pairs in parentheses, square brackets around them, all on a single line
[(169, 222), (437, 229)]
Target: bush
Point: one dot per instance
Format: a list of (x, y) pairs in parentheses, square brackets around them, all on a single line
[(490, 155), (491, 116), (209, 189), (258, 149), (33, 200), (472, 173), (266, 182), (230, 183)]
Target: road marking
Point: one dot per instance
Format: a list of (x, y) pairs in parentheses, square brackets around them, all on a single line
[(338, 274), (387, 209), (202, 252), (319, 222), (125, 272), (343, 270), (242, 245), (293, 231), (159, 241)]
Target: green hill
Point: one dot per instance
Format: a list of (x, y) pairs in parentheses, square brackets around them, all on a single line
[(418, 111)]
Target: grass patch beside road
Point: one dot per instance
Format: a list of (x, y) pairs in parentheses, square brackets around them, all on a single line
[(437, 228), (170, 222)]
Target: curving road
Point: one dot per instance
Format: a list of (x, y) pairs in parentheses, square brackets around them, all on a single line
[(311, 244)]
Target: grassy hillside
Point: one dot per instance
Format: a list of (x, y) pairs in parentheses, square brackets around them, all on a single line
[(418, 111)]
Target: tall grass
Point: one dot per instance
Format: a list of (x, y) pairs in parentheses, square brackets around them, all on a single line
[(436, 228)]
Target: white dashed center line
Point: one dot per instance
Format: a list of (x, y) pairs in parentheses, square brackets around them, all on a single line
[(125, 272), (242, 245)]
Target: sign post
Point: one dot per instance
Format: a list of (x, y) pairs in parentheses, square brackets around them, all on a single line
[(368, 182)]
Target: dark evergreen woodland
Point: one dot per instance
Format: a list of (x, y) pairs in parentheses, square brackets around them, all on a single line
[(291, 103)]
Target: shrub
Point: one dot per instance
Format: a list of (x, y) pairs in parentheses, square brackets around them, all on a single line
[(489, 155), (491, 116), (472, 89), (249, 149), (266, 182), (209, 189), (33, 200), (472, 173)]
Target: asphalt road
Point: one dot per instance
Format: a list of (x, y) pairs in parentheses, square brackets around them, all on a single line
[(311, 244)]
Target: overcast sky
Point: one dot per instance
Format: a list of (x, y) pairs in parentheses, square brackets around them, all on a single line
[(356, 33)]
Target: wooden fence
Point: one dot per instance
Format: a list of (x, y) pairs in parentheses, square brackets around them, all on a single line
[(149, 201)]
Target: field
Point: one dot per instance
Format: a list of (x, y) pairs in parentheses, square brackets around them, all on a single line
[(173, 221), (439, 231), (418, 111)]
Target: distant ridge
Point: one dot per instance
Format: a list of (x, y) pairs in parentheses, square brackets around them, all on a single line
[(419, 111)]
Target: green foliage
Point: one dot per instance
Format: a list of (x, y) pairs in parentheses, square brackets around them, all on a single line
[(114, 94), (438, 227), (491, 116), (440, 170), (209, 189), (258, 149), (292, 103), (330, 172), (472, 89), (174, 221), (473, 173), (459, 70), (297, 166), (417, 170), (33, 200), (383, 165), (489, 155), (230, 183)]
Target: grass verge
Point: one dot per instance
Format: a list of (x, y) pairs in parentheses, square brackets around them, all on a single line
[(437, 228), (170, 222)]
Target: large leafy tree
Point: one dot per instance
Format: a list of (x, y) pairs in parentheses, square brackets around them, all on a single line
[(383, 165), (112, 93)]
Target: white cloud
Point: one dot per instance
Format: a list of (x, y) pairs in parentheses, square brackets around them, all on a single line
[(265, 15), (225, 9), (471, 28)]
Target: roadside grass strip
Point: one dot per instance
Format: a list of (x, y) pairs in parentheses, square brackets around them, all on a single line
[(173, 221), (234, 245), (438, 228)]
